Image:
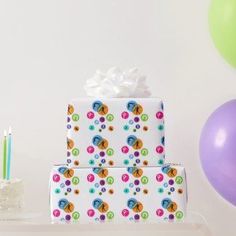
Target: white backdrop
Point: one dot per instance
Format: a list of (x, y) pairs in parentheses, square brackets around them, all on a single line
[(49, 48)]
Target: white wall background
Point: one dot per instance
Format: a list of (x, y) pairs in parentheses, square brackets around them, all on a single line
[(49, 48)]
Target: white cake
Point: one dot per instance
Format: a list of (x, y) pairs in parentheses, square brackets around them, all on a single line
[(11, 194)]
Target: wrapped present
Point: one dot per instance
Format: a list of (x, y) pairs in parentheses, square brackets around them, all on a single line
[(132, 194), (117, 132)]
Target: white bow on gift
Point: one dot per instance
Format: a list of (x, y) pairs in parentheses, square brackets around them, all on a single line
[(117, 84)]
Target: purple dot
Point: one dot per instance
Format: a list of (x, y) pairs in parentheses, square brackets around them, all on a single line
[(68, 161), (136, 217), (68, 126), (69, 190), (103, 190), (172, 189), (102, 182), (137, 161), (68, 217), (171, 217), (67, 182), (103, 161), (171, 182), (136, 119), (136, 182), (103, 126), (136, 154), (102, 119), (68, 154), (102, 217), (68, 119), (137, 126), (137, 189), (102, 154)]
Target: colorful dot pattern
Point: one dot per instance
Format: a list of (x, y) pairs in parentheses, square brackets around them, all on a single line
[(116, 122), (148, 194)]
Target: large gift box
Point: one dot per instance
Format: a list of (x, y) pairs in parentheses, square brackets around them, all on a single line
[(115, 132), (132, 194)]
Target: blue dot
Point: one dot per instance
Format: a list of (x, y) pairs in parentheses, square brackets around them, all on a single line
[(96, 156), (131, 156), (131, 185), (96, 122), (131, 122), (96, 185)]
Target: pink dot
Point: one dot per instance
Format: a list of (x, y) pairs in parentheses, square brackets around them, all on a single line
[(91, 212), (125, 149), (159, 149), (90, 115), (159, 177), (159, 115), (125, 212), (90, 149), (90, 178), (56, 213), (56, 178), (125, 177), (159, 212), (125, 115)]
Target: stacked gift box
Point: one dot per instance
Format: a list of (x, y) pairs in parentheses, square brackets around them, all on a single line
[(116, 168)]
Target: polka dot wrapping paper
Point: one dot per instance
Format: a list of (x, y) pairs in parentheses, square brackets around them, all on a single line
[(126, 194), (116, 132)]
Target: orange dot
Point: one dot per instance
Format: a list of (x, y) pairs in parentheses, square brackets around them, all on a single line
[(145, 163), (76, 163), (111, 128), (145, 191), (76, 128), (111, 191), (76, 191), (180, 191), (111, 163)]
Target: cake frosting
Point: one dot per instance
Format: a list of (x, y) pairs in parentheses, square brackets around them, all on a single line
[(11, 194), (117, 84)]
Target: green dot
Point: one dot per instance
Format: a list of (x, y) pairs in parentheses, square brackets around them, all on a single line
[(144, 215), (110, 180), (144, 117), (57, 190), (179, 180), (126, 162), (144, 152), (161, 127), (91, 162), (126, 127), (75, 180), (91, 127), (126, 190), (91, 190), (75, 152), (75, 215), (179, 215), (160, 190), (110, 215), (160, 162), (144, 180), (75, 117), (110, 117), (110, 152)]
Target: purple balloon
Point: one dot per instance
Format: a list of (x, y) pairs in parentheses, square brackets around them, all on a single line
[(218, 150)]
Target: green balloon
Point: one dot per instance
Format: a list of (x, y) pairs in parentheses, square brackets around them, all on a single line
[(222, 21)]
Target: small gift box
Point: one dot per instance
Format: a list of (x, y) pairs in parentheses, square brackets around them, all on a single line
[(116, 132), (132, 194)]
